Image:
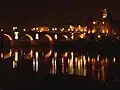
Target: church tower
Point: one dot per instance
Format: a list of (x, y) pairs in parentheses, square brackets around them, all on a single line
[(104, 13)]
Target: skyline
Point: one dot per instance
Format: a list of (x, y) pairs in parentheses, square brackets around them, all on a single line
[(32, 13)]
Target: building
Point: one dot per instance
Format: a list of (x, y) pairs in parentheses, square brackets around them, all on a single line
[(40, 29)]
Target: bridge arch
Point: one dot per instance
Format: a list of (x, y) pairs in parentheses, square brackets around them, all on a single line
[(29, 36), (8, 36), (66, 37), (49, 37)]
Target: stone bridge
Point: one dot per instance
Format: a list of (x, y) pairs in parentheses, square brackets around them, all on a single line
[(34, 37)]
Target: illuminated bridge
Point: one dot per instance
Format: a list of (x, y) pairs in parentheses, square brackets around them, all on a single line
[(35, 37)]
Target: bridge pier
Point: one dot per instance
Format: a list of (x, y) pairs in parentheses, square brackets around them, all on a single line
[(13, 42), (33, 42)]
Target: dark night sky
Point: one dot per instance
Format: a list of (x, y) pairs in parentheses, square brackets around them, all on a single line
[(51, 12)]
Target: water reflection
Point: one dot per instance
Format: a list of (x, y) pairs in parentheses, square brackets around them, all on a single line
[(15, 59), (74, 63)]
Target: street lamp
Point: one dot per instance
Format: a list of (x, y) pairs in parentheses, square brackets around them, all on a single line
[(1, 30)]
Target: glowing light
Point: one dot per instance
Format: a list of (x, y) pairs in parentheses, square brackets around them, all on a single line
[(24, 29), (93, 31), (66, 37), (89, 31), (88, 59), (14, 64), (79, 27), (48, 54), (33, 64), (2, 55), (1, 30), (99, 36), (65, 55), (7, 55), (33, 28), (98, 57), (14, 28), (37, 28), (30, 37), (37, 36), (94, 22), (103, 22), (104, 13), (36, 55), (55, 54), (54, 66), (103, 73), (70, 63), (103, 31), (55, 28), (114, 33), (16, 35), (106, 30), (62, 65), (72, 37), (85, 30), (71, 28), (82, 36), (16, 56), (31, 53), (114, 60), (68, 29), (81, 30), (10, 38), (62, 29), (55, 36), (49, 37)]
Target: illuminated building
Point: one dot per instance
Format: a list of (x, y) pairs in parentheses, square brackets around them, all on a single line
[(40, 29)]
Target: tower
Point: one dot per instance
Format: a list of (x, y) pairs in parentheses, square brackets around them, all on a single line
[(107, 19), (104, 13)]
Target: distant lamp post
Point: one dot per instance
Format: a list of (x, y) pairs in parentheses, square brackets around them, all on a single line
[(99, 36), (37, 29), (16, 35), (94, 22), (1, 30), (37, 36), (14, 28), (55, 29), (103, 22), (24, 30)]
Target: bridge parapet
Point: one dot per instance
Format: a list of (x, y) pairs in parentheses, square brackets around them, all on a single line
[(39, 36)]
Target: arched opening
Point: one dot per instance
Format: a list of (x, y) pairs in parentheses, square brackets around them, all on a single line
[(27, 37), (6, 41), (8, 36), (66, 37), (63, 37), (26, 40), (30, 37), (49, 37)]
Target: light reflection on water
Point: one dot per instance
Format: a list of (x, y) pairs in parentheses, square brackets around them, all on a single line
[(62, 63)]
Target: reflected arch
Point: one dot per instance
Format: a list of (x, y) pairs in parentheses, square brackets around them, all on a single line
[(66, 37), (48, 54), (8, 55)]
